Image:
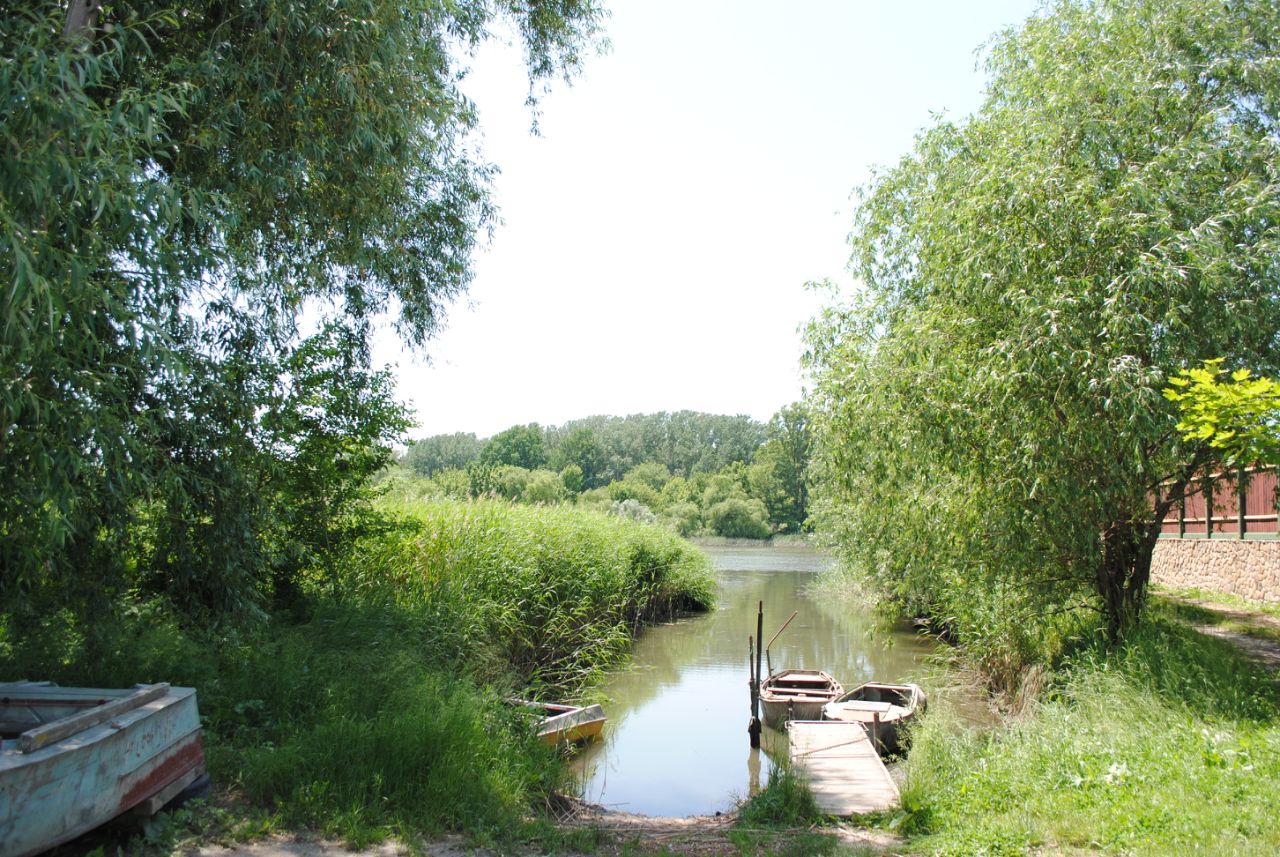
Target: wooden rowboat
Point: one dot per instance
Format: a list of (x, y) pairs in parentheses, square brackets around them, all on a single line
[(74, 758), (566, 724), (881, 708), (796, 695)]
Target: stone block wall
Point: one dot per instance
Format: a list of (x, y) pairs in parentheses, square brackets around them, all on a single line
[(1247, 568)]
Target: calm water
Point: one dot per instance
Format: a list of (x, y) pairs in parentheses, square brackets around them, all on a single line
[(676, 740)]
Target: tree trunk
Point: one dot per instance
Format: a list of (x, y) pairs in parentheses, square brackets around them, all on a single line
[(1124, 574), (82, 18)]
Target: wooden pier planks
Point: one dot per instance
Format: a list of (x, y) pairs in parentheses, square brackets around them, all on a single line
[(842, 766)]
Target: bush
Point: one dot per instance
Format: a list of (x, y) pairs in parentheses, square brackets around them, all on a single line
[(544, 487), (633, 510), (737, 518), (685, 518)]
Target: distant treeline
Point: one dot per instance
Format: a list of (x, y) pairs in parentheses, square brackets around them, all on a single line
[(700, 473)]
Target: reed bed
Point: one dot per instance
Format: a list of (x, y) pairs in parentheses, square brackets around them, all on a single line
[(379, 712)]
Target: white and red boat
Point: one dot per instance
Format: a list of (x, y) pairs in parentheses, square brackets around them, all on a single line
[(73, 758)]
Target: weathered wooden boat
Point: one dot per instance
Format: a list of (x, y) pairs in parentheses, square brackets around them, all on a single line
[(73, 758), (883, 709), (566, 724), (796, 695)]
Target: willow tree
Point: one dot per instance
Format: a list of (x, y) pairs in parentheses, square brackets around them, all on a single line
[(206, 205), (994, 442)]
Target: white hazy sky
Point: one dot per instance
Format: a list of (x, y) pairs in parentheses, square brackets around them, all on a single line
[(657, 237)]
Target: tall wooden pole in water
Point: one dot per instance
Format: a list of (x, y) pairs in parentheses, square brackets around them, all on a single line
[(753, 729)]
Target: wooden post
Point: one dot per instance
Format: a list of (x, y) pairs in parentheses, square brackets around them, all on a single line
[(1242, 499), (1208, 507), (875, 730), (753, 728), (753, 725), (759, 640)]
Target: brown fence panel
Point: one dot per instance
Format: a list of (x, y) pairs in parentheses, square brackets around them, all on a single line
[(1260, 502), (1225, 520)]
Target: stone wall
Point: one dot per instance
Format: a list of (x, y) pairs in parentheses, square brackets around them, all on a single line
[(1247, 568)]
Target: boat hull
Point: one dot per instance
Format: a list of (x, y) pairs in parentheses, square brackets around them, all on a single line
[(883, 710), (564, 724), (796, 695), (572, 727), (59, 790)]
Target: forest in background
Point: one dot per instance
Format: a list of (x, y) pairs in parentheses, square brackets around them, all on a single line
[(699, 474)]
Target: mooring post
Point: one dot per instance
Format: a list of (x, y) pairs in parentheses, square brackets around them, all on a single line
[(753, 728)]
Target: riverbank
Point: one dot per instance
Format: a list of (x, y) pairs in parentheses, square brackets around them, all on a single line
[(1167, 745), (375, 711)]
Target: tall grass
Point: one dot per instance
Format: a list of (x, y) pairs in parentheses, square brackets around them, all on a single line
[(380, 712), (1169, 745), (549, 594)]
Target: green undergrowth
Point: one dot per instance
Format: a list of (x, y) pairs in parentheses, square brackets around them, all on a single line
[(380, 712), (782, 819), (1168, 745), (785, 801), (1227, 612)]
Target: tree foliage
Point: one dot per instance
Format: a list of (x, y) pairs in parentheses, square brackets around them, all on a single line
[(778, 474), (685, 442), (183, 184), (994, 443), (518, 446), (1238, 414), (433, 454), (676, 466)]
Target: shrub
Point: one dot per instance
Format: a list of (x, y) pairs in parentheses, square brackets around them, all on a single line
[(738, 518)]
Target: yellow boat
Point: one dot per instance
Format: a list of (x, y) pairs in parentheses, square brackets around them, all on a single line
[(566, 724)]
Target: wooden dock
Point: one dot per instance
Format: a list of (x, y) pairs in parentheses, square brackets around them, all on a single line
[(844, 770)]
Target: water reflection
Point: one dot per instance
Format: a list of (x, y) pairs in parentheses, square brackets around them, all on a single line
[(676, 741)]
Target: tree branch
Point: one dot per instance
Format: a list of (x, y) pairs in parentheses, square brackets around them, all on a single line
[(82, 18)]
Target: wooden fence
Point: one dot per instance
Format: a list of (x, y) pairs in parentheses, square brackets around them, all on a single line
[(1240, 504)]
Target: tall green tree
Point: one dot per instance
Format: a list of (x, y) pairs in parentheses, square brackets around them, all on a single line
[(430, 455), (579, 448), (994, 444), (183, 184), (778, 474), (518, 446)]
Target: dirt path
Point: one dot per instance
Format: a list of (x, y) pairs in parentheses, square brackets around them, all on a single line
[(1255, 633), (619, 834)]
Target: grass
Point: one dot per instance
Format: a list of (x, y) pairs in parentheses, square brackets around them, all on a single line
[(379, 714), (782, 819), (1169, 745), (1251, 618), (1224, 599)]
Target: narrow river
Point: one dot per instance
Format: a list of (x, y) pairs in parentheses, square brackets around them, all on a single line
[(676, 740)]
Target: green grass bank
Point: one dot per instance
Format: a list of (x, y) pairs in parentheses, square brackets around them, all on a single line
[(1168, 745), (378, 711)]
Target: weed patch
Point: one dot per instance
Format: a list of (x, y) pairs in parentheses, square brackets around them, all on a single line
[(1168, 745)]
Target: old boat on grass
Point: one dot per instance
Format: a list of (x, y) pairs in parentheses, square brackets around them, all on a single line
[(565, 724), (796, 695), (73, 758), (882, 709)]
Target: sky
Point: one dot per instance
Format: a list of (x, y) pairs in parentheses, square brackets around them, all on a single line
[(658, 235)]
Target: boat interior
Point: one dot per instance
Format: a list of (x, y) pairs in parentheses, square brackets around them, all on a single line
[(883, 693), (26, 708)]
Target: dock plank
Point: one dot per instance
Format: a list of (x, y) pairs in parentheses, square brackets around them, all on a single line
[(843, 769)]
